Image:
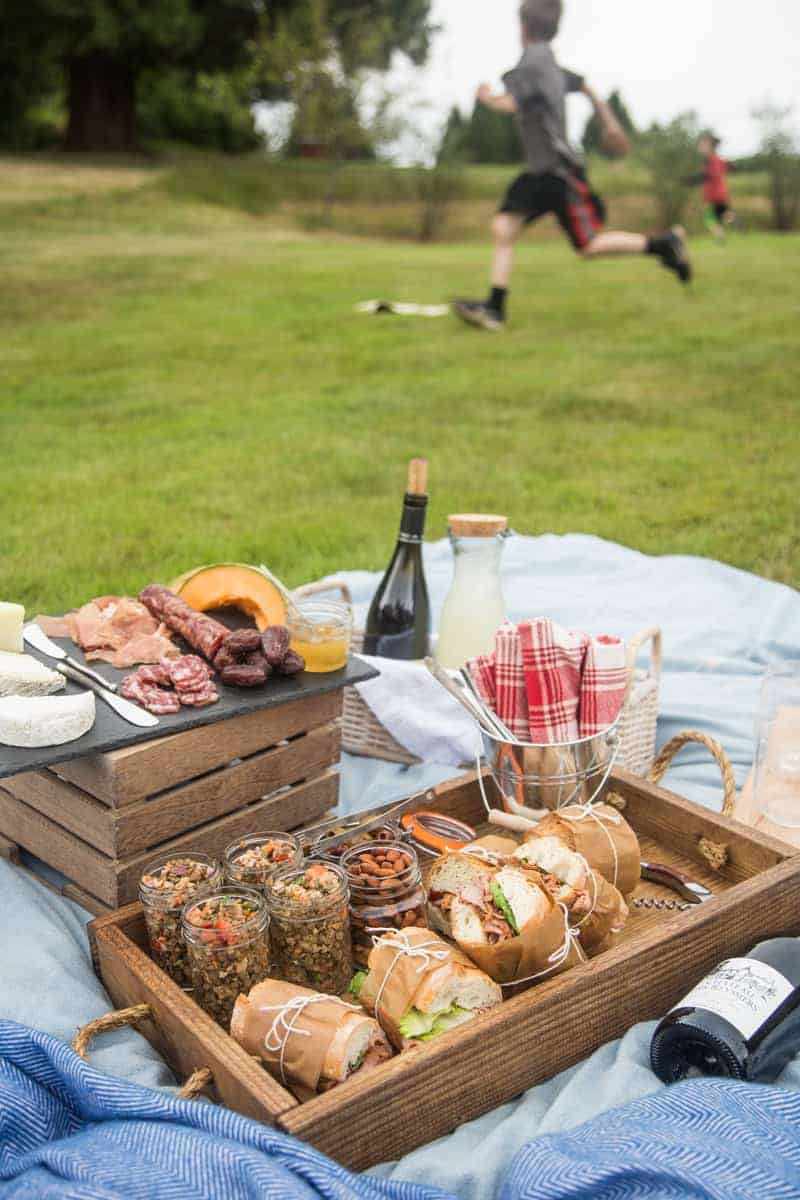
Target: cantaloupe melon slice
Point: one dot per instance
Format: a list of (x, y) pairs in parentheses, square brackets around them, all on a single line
[(233, 585)]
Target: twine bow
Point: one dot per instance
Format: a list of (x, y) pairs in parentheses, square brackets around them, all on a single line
[(559, 955), (585, 811), (398, 940), (284, 1023)]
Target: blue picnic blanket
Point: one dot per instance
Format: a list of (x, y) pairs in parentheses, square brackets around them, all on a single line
[(66, 1131), (721, 628)]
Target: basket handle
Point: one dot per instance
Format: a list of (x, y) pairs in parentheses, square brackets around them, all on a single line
[(653, 634), (127, 1017), (324, 585), (715, 853)]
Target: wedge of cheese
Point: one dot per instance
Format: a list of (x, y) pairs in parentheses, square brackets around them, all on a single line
[(12, 617), (24, 675), (45, 720)]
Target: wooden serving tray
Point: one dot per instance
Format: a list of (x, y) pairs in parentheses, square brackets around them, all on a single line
[(432, 1089)]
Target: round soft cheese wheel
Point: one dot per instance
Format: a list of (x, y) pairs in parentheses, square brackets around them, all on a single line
[(34, 721)]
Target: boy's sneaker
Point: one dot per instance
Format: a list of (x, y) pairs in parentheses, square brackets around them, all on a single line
[(476, 312), (674, 254)]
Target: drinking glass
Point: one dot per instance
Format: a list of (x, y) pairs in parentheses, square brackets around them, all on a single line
[(777, 778)]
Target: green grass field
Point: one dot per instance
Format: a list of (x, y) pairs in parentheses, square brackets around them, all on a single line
[(184, 382)]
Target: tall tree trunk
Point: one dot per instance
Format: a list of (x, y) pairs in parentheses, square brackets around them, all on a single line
[(101, 96)]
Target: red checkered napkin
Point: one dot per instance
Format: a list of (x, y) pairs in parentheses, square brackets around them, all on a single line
[(509, 678), (500, 681), (603, 683), (552, 659), (481, 671)]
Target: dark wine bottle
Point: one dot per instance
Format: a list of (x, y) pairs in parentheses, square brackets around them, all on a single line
[(742, 1021), (399, 620)]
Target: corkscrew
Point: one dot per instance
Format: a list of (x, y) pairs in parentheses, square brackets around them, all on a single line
[(689, 890)]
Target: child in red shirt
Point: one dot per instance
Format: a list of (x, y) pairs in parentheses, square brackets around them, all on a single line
[(718, 211)]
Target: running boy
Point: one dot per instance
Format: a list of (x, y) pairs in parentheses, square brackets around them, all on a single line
[(555, 181), (718, 212)]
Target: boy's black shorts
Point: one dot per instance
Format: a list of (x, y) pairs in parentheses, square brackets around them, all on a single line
[(721, 210), (580, 211)]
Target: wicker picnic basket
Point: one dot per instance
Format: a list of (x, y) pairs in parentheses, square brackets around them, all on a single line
[(363, 733)]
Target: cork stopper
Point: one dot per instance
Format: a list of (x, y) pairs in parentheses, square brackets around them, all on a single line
[(418, 477), (477, 524)]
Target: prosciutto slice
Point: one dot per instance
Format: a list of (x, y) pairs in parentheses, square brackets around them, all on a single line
[(114, 629)]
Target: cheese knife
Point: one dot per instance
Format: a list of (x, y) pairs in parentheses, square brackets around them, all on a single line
[(35, 636), (71, 669)]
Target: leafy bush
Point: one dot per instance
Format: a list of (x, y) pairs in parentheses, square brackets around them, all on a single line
[(670, 154), (780, 158), (211, 110), (437, 188)]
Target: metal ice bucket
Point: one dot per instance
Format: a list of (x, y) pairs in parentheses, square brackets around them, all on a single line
[(536, 777)]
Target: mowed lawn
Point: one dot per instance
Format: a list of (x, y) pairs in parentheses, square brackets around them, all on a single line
[(186, 384)]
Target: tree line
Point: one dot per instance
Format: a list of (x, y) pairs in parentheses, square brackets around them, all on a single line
[(106, 74)]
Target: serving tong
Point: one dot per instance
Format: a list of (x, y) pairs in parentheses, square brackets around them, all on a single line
[(462, 689)]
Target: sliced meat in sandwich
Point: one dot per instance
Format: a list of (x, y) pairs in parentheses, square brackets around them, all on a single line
[(515, 931), (308, 1042), (595, 907), (418, 987), (449, 876)]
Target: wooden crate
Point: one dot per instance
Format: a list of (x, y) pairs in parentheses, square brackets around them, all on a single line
[(99, 820), (430, 1091)]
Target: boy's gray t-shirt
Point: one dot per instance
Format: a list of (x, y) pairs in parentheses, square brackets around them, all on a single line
[(540, 86)]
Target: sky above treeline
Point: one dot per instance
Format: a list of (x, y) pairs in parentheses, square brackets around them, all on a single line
[(719, 57)]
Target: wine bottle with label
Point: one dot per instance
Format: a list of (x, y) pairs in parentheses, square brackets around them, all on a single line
[(399, 621), (742, 1021)]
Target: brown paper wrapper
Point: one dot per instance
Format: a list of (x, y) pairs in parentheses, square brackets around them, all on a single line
[(596, 837), (609, 913), (502, 847), (511, 963), (405, 978), (304, 1056)]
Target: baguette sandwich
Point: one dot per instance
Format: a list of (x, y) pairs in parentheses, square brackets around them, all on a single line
[(602, 836), (594, 905), (514, 929), (418, 987), (449, 876), (308, 1041)]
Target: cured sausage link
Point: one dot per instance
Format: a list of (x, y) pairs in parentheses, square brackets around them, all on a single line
[(203, 633)]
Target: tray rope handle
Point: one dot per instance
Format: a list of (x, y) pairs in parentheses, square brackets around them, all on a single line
[(126, 1018), (715, 853), (324, 585), (634, 648)]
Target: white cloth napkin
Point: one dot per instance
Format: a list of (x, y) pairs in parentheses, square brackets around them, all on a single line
[(419, 713)]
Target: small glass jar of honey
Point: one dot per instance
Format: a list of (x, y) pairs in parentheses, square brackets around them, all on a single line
[(321, 631)]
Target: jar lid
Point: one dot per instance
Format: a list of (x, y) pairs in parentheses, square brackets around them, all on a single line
[(477, 524)]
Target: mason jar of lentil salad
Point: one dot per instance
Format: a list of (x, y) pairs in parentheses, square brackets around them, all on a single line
[(310, 927), (227, 943), (250, 861), (166, 886)]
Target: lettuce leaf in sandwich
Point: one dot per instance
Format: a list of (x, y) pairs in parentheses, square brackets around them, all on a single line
[(357, 982), (503, 905), (424, 1026)]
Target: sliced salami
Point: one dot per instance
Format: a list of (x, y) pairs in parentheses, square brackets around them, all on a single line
[(187, 674), (154, 676), (155, 699), (200, 698)]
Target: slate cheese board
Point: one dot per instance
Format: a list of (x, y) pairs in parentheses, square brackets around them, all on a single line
[(111, 732)]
